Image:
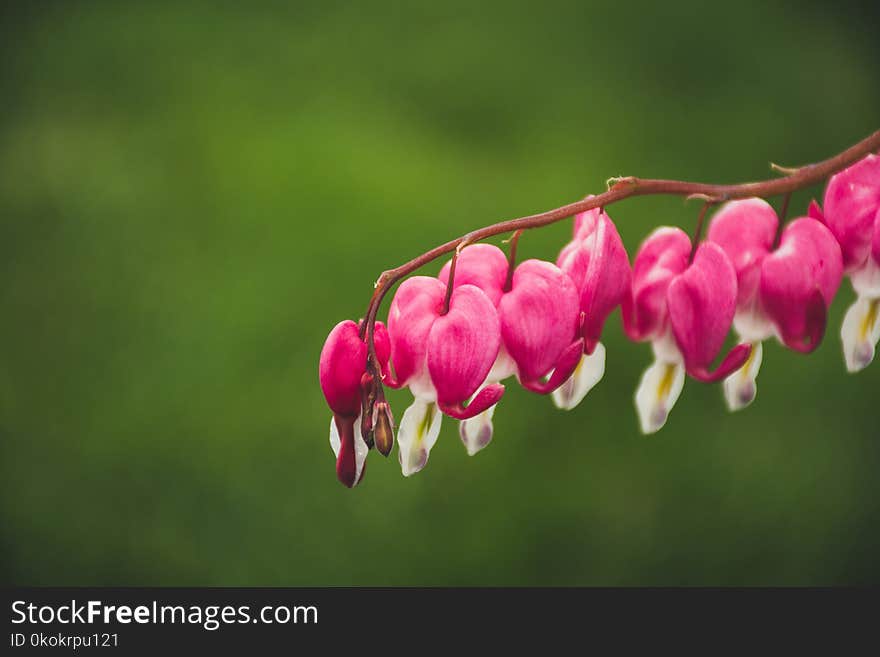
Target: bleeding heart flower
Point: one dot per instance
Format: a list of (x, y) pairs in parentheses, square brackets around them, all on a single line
[(784, 291), (685, 310), (481, 265), (539, 320), (485, 266), (852, 213), (540, 317), (342, 372), (444, 358), (597, 263)]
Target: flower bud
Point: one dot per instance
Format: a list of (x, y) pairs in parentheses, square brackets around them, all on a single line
[(384, 428)]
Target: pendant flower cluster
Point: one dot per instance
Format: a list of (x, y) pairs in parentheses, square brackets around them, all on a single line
[(484, 320)]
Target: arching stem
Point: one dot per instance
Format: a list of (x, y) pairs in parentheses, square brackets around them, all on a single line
[(619, 189)]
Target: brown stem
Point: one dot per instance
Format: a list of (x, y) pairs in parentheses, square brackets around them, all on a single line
[(511, 260), (450, 282), (783, 213), (623, 188), (698, 231)]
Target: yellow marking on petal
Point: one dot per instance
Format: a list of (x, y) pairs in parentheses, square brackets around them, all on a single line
[(426, 423), (871, 318), (666, 382), (747, 366)]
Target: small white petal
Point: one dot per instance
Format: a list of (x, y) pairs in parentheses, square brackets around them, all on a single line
[(503, 367), (417, 434), (587, 374), (335, 442), (740, 387), (866, 281), (753, 325), (360, 447), (422, 387), (657, 393), (665, 348), (860, 333), (476, 432)]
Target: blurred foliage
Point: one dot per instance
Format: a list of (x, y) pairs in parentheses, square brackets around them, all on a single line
[(191, 196)]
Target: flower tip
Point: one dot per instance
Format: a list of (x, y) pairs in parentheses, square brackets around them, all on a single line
[(565, 368), (349, 448), (348, 471), (652, 423), (734, 360), (740, 387), (486, 398), (414, 462), (658, 390), (416, 435), (860, 332), (589, 371), (476, 432)]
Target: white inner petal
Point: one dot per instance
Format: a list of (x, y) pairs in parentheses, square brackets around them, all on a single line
[(866, 281), (860, 333), (740, 387), (503, 367), (587, 374), (753, 325), (476, 432), (418, 431), (335, 442), (665, 348), (657, 393)]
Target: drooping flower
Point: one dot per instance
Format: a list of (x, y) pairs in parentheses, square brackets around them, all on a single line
[(852, 213), (443, 358), (539, 319), (342, 374), (597, 263), (784, 291), (685, 310)]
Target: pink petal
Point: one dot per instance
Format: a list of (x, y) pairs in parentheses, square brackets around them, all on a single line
[(562, 371), (343, 361), (702, 302), (733, 361), (746, 231), (569, 251), (662, 256), (346, 460), (852, 199), (799, 281), (482, 265), (539, 317), (585, 222), (600, 270), (487, 397), (574, 260), (875, 244), (462, 345), (814, 211), (416, 305), (382, 342)]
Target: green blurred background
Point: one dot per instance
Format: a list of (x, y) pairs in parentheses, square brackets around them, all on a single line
[(192, 196)]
